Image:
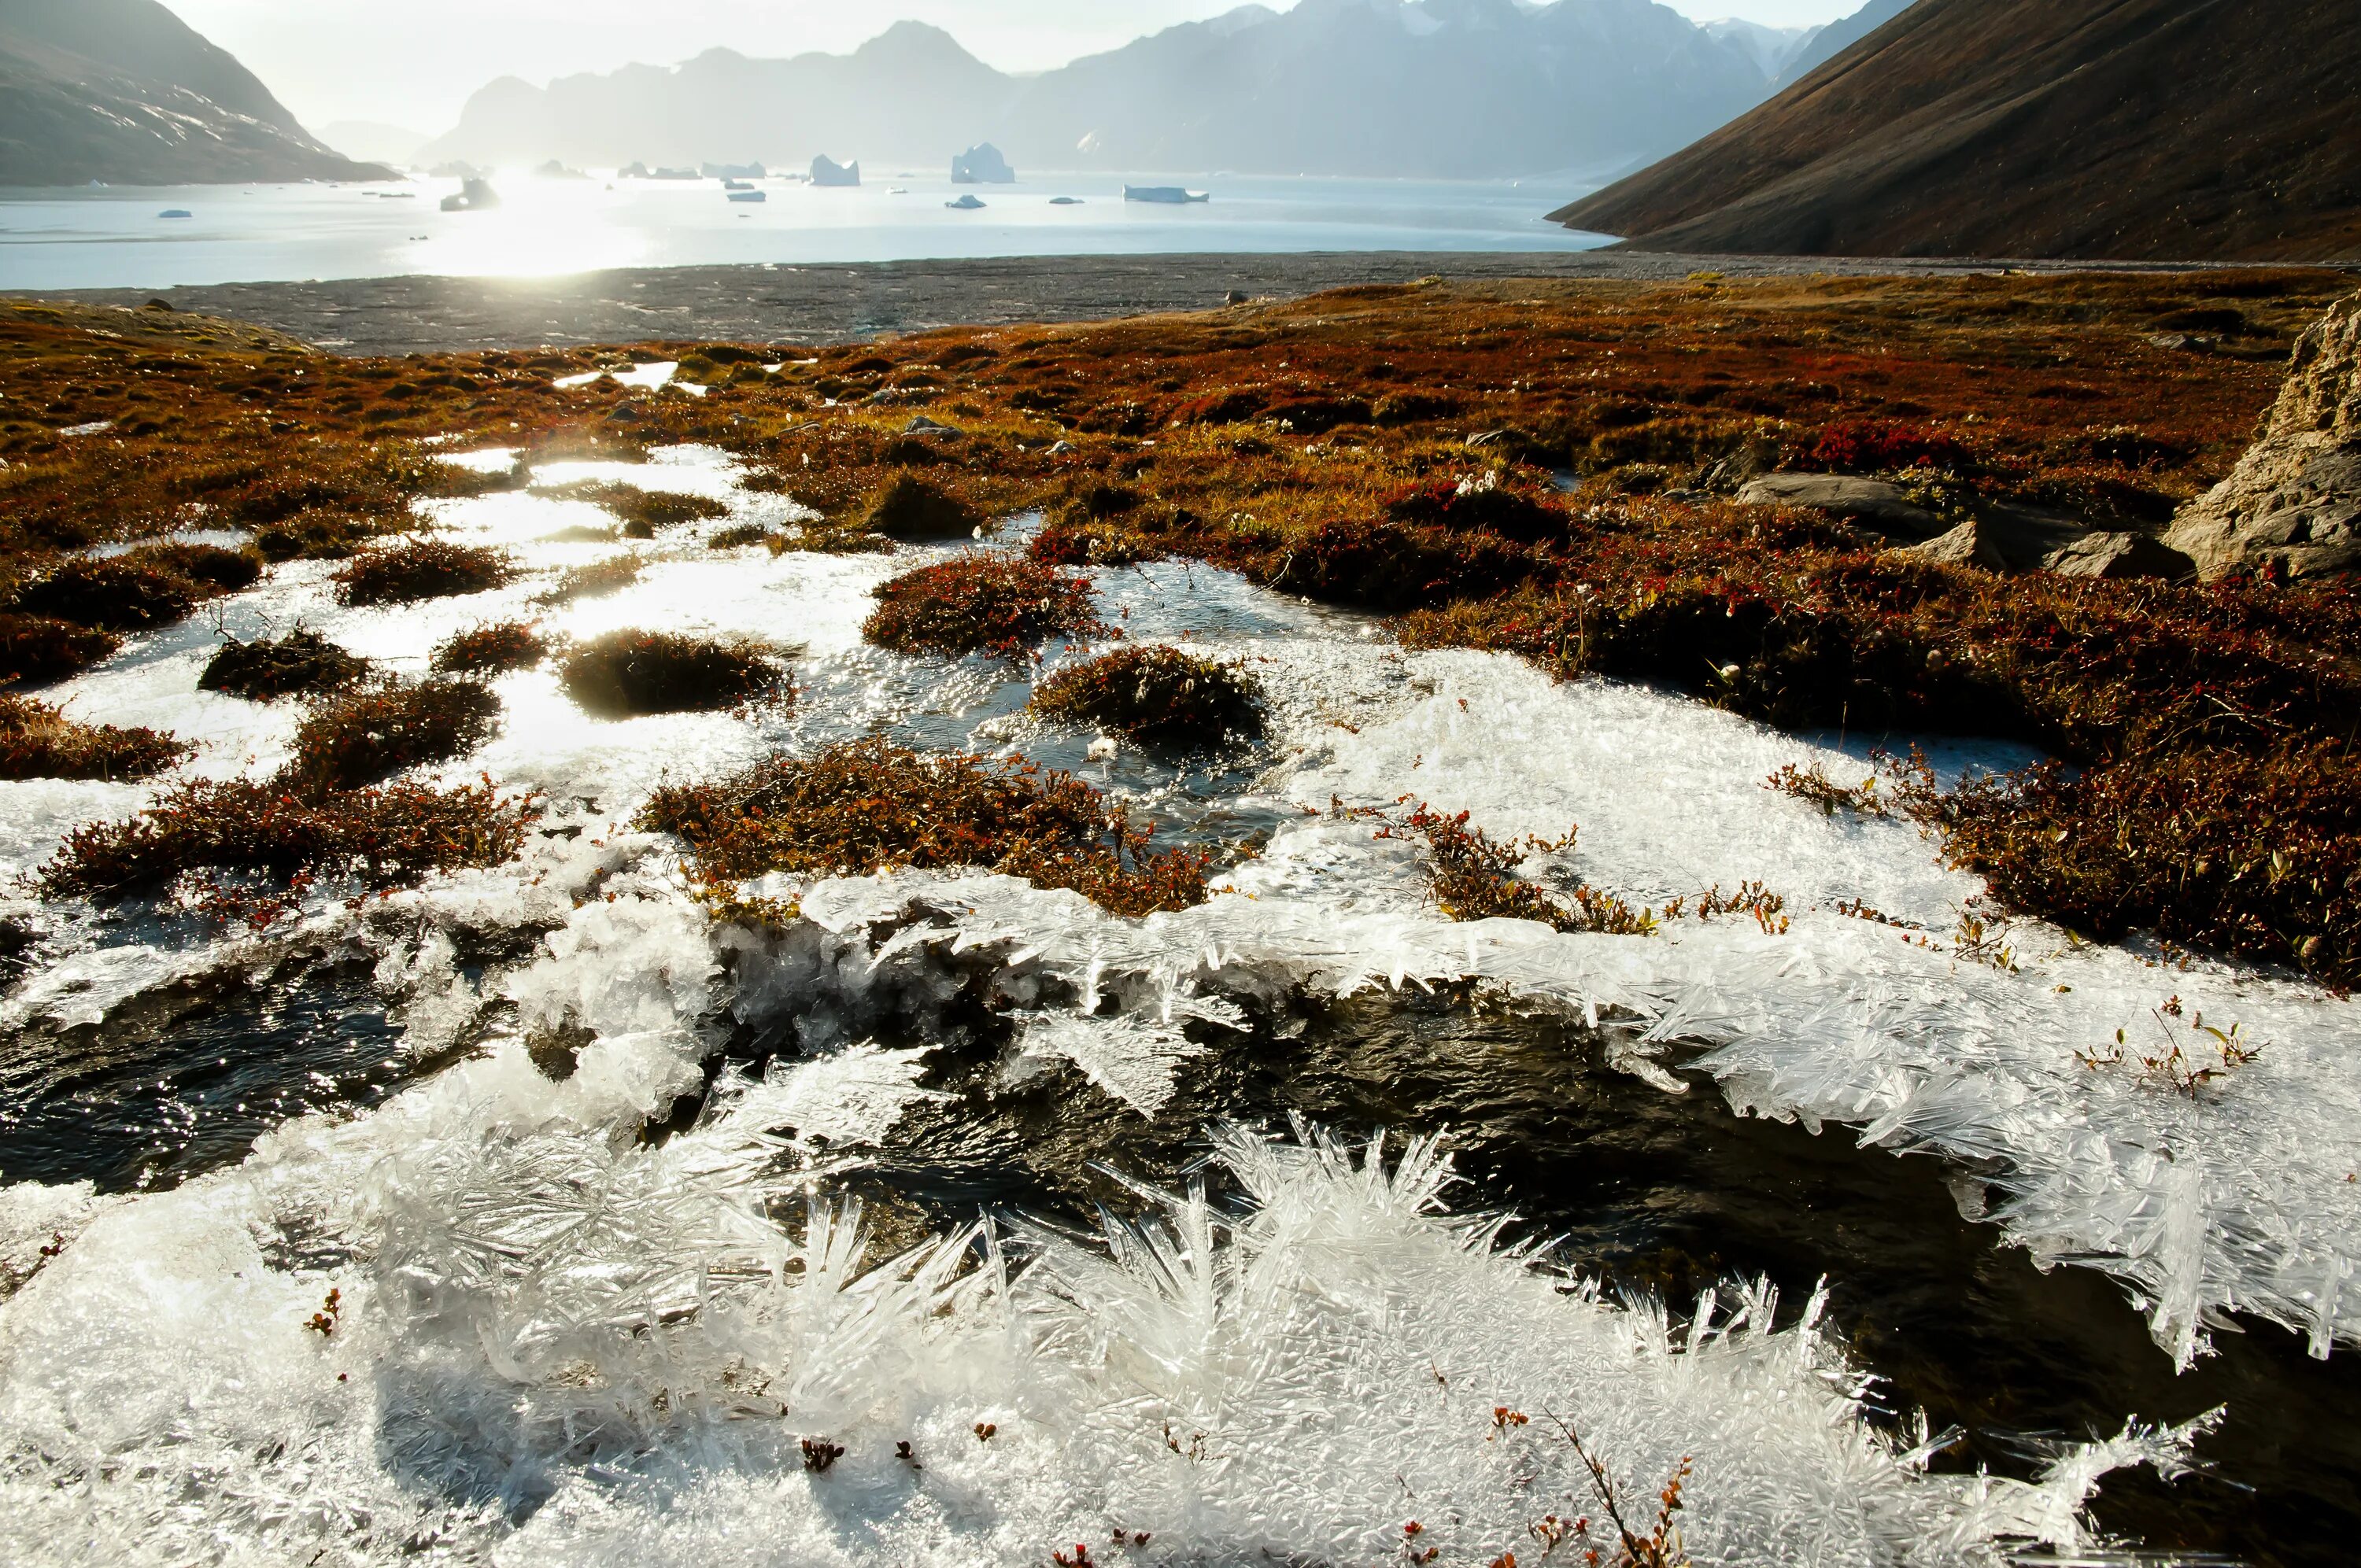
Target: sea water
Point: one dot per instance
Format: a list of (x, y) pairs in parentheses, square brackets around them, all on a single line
[(101, 239)]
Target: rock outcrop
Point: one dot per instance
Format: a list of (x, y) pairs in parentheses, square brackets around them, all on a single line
[(2293, 505), (1880, 508), (1998, 537)]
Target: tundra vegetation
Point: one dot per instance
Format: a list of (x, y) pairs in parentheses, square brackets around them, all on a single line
[(1544, 468)]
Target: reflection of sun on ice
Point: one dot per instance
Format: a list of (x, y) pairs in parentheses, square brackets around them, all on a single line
[(541, 227)]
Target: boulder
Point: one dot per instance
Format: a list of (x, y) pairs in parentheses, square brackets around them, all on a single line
[(2119, 556), (2293, 503), (1965, 545), (1873, 504), (981, 165)]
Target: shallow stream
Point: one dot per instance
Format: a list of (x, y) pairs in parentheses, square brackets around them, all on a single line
[(1842, 1214)]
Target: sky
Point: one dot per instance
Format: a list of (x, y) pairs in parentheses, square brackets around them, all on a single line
[(414, 64)]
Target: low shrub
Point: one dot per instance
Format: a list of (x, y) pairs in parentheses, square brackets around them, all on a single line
[(321, 535), (595, 580), (212, 568), (911, 510), (1481, 502), (738, 535), (265, 670), (422, 569), (1470, 877), (36, 649), (385, 837), (116, 593), (2242, 854), (867, 806), (629, 673), (1874, 447), (36, 741), (981, 603), (361, 738), (491, 649), (1164, 696), (1317, 416), (1083, 541)]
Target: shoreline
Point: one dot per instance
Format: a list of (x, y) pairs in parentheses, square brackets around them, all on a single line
[(777, 302)]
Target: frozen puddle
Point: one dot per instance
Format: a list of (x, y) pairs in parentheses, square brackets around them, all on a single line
[(553, 1339)]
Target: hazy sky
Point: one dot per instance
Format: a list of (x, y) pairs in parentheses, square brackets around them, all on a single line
[(413, 63)]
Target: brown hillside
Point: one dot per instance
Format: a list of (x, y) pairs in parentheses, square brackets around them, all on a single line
[(2146, 129)]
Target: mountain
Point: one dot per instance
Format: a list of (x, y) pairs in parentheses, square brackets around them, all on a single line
[(1824, 44), (2127, 130), (1433, 88), (1774, 49), (121, 90)]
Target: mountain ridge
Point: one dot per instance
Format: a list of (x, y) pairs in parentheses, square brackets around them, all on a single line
[(1431, 88), (2099, 129)]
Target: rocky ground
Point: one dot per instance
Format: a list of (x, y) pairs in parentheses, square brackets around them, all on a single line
[(842, 303)]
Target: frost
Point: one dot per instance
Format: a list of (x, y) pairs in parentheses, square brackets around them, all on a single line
[(1133, 1059), (571, 1330), (578, 1350)]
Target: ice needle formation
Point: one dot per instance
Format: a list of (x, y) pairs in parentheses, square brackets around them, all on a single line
[(497, 1318)]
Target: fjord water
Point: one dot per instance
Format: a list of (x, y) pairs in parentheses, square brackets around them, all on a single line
[(111, 238), (591, 1305)]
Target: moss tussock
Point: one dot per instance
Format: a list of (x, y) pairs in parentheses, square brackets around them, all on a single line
[(981, 603), (36, 741), (422, 569), (491, 649), (269, 668), (626, 674), (1163, 696), (867, 806)]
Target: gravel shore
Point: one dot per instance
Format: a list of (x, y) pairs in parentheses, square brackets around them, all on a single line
[(814, 304)]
